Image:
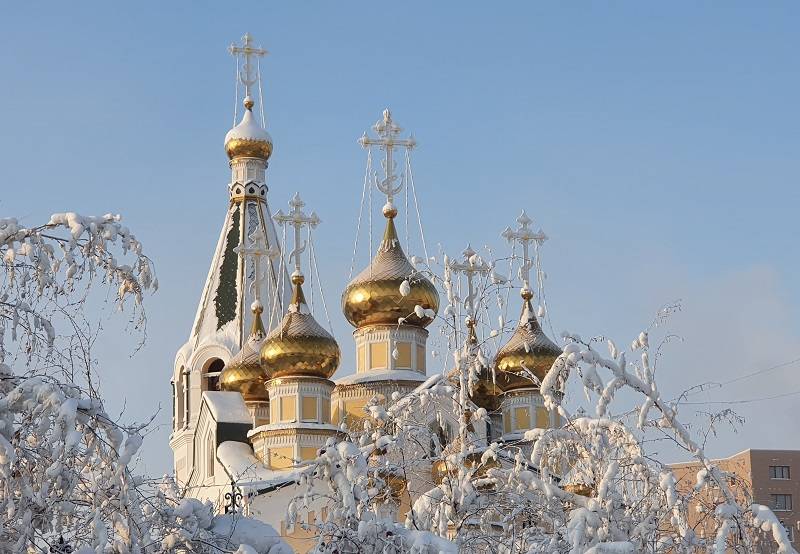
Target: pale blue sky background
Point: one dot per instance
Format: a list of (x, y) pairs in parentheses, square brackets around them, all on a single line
[(657, 145)]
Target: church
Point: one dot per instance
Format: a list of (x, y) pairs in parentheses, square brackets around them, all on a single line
[(258, 388)]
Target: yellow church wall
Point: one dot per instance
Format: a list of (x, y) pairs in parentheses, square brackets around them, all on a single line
[(542, 418), (288, 408), (379, 355), (281, 457), (362, 359), (403, 360), (309, 408), (522, 415), (420, 358), (308, 453)]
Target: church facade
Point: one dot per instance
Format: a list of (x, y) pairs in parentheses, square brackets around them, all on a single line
[(258, 389)]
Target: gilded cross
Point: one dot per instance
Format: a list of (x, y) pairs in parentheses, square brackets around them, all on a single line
[(297, 219)]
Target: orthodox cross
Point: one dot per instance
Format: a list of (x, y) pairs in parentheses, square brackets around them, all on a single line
[(257, 249), (297, 219), (525, 236), (388, 138), (471, 266), (248, 75)]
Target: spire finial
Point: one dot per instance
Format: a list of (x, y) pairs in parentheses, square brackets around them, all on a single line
[(248, 75), (388, 138), (525, 236), (297, 219)]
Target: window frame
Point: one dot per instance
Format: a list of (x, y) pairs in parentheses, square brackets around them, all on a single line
[(787, 506), (783, 470)]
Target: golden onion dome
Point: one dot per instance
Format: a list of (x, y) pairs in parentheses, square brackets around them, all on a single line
[(374, 296), (248, 139), (299, 346), (528, 351), (244, 373)]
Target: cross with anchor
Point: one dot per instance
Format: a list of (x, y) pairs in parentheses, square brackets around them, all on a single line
[(248, 76), (525, 236), (388, 132)]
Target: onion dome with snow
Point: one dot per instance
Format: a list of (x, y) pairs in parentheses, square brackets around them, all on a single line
[(528, 353), (299, 346), (244, 372), (248, 139), (374, 297)]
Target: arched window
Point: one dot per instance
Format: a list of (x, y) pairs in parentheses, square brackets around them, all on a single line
[(211, 373), (179, 390)]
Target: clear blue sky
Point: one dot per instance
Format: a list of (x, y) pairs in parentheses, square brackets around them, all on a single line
[(657, 144)]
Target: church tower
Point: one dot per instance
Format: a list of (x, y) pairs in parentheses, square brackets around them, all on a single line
[(236, 292), (299, 356), (389, 303), (523, 361)]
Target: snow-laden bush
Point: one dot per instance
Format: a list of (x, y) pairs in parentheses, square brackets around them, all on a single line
[(589, 485), (65, 477)]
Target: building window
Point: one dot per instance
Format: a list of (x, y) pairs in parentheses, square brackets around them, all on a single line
[(506, 421), (779, 472), (781, 502), (212, 373), (326, 411)]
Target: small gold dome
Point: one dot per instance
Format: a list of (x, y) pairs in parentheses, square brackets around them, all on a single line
[(299, 346), (248, 139), (374, 297), (486, 393), (528, 350), (445, 466), (244, 372)]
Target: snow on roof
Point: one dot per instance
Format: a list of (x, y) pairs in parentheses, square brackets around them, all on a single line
[(227, 407), (249, 129), (260, 536), (381, 375), (292, 425), (247, 470)]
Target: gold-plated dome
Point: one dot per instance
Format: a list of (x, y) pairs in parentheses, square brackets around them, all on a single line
[(472, 461), (299, 346), (244, 372), (248, 139), (528, 350), (374, 297)]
